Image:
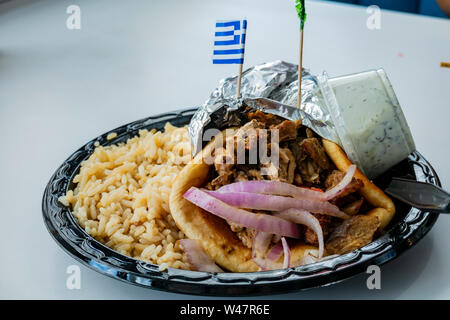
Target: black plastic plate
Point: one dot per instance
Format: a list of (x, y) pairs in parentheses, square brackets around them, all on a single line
[(408, 227)]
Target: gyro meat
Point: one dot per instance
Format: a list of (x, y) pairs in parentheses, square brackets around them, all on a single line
[(352, 234)]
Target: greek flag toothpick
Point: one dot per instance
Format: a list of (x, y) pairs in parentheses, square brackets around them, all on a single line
[(229, 45), (229, 42)]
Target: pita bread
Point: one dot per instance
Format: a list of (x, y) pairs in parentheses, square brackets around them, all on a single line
[(384, 208), (215, 235)]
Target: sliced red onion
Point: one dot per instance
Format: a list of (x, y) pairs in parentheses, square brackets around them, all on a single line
[(268, 263), (287, 253), (197, 257), (275, 252), (258, 221), (342, 185), (261, 243), (274, 188), (307, 219), (276, 203)]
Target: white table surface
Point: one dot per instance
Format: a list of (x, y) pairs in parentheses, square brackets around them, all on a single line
[(59, 88)]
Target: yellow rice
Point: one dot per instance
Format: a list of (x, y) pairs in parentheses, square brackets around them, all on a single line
[(122, 195)]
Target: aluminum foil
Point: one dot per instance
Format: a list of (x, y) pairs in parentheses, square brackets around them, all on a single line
[(270, 87)]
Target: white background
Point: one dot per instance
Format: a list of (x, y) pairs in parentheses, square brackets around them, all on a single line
[(60, 88)]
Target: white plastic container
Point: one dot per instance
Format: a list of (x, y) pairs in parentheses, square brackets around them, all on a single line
[(369, 120)]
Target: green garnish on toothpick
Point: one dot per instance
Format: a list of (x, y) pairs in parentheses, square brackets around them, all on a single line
[(300, 6)]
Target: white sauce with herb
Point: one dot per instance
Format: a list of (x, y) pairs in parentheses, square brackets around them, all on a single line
[(375, 126)]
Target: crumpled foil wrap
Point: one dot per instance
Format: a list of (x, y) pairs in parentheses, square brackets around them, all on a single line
[(270, 87)]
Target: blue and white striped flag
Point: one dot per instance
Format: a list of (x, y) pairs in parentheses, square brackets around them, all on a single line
[(229, 42)]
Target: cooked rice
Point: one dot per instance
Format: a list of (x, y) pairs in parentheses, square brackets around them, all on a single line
[(122, 195)]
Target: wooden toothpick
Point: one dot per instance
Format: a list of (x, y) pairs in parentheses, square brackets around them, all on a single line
[(300, 7), (300, 63), (238, 89)]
